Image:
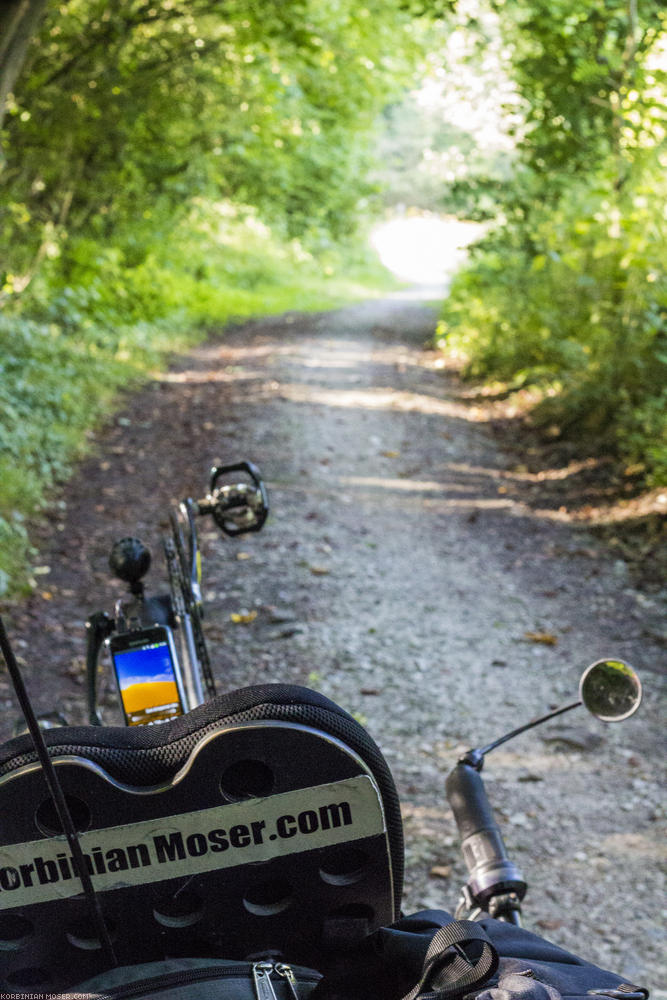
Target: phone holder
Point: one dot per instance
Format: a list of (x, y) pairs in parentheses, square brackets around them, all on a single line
[(130, 560)]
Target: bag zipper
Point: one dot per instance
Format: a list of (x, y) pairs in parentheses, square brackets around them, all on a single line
[(287, 973), (261, 972), (262, 975)]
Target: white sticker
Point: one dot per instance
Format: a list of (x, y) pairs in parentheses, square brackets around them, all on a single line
[(224, 836)]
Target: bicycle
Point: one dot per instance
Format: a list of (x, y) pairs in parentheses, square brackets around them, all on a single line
[(260, 830), (237, 507)]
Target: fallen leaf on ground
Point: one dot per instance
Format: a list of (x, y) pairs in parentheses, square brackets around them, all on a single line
[(243, 617), (241, 556), (549, 925), (441, 871), (546, 638), (391, 454), (319, 570)]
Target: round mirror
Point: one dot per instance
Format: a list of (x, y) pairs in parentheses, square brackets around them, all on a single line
[(610, 690)]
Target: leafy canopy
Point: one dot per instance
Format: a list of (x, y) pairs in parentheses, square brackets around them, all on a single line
[(568, 295), (125, 111)]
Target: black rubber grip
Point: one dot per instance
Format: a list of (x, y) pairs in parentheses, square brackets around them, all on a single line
[(484, 852), (466, 795)]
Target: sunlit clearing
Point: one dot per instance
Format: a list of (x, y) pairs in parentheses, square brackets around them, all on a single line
[(424, 249)]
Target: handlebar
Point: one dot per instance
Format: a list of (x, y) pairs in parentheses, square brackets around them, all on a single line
[(495, 884)]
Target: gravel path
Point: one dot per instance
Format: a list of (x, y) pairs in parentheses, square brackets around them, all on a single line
[(404, 573)]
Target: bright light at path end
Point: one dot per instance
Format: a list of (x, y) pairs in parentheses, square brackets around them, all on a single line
[(426, 249)]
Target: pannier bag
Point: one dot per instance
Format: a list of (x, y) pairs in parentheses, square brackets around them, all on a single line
[(201, 979), (430, 956), (427, 956)]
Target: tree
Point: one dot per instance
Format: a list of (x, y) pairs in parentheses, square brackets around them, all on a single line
[(570, 294), (132, 108), (582, 71)]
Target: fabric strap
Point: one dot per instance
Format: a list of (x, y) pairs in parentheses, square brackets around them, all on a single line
[(448, 972)]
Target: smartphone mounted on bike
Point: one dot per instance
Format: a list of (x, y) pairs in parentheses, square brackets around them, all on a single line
[(237, 501), (148, 676)]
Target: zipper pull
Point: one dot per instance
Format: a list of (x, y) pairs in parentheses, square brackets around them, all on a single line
[(261, 974), (287, 973)]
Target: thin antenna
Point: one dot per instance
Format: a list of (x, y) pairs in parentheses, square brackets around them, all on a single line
[(59, 801)]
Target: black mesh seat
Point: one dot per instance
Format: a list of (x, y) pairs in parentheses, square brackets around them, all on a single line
[(265, 820)]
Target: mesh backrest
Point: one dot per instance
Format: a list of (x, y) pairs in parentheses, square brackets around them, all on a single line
[(266, 818)]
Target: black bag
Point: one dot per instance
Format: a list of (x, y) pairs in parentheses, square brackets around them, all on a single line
[(430, 955), (199, 979), (427, 956)]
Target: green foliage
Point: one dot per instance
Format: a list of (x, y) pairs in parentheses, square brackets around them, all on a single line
[(50, 381), (446, 146), (265, 104), (433, 164), (71, 348), (569, 293), (577, 306), (133, 130), (589, 90)]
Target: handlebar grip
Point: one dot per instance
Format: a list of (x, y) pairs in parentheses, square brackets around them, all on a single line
[(484, 852)]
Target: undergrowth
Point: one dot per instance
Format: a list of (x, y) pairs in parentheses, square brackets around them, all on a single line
[(101, 319), (570, 300)]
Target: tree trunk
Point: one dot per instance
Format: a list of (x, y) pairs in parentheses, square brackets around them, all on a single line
[(19, 20)]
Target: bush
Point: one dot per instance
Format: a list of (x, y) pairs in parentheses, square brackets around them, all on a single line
[(93, 325), (573, 299)]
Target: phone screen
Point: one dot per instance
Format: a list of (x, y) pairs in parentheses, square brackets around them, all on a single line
[(146, 677)]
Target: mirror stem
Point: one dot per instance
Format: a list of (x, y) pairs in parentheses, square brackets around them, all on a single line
[(475, 758)]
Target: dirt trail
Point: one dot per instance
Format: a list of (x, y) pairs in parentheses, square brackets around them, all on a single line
[(408, 573)]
